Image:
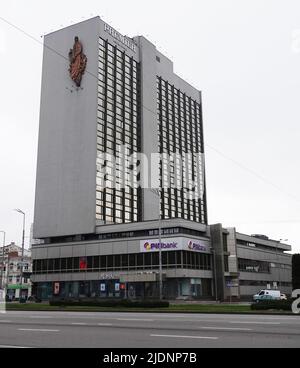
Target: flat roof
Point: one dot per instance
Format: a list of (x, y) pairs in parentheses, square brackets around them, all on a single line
[(267, 242)]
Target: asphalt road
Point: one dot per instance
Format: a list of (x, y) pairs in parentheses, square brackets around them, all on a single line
[(146, 330)]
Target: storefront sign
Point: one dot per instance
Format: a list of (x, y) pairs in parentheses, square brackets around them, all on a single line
[(107, 276), (123, 39), (17, 286), (102, 287), (154, 245), (117, 287), (232, 283), (83, 263), (168, 244), (197, 245), (56, 288)]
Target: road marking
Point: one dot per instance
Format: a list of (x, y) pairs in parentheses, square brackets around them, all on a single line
[(42, 317), (227, 328), (187, 337), (37, 330), (78, 324), (255, 322), (104, 324), (14, 347), (135, 319)]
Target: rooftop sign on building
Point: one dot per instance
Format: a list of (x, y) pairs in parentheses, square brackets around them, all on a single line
[(123, 39)]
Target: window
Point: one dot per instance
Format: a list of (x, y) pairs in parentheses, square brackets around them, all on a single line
[(132, 260), (63, 264), (147, 260), (110, 263), (249, 265), (103, 263), (76, 264)]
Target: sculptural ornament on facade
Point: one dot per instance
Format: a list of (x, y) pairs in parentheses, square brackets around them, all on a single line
[(78, 61)]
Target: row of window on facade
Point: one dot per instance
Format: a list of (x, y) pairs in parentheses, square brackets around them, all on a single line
[(263, 283), (123, 262), (180, 130), (16, 267), (250, 265), (117, 125), (17, 280), (125, 234)]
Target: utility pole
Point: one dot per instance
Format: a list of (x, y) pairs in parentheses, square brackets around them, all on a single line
[(279, 269), (160, 255), (158, 193), (22, 257), (215, 273), (2, 266)]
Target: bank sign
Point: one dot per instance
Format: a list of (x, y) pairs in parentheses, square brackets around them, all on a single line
[(179, 243)]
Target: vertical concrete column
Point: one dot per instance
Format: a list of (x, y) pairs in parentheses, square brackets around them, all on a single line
[(149, 127), (233, 262), (218, 256)]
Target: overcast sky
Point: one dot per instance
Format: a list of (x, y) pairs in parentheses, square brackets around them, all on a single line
[(243, 54)]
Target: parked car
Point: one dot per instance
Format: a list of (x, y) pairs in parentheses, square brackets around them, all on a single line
[(267, 295)]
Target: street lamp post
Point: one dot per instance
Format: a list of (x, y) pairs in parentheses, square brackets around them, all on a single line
[(158, 192), (215, 273), (22, 257), (160, 255), (2, 266)]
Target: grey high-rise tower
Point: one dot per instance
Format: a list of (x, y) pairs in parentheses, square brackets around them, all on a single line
[(130, 96), (102, 91)]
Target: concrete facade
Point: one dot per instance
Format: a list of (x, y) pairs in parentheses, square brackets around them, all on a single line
[(226, 277), (280, 266), (66, 167), (81, 255)]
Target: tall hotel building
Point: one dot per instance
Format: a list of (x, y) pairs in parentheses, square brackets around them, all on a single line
[(99, 240)]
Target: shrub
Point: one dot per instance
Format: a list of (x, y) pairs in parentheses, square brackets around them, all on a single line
[(285, 305), (109, 303)]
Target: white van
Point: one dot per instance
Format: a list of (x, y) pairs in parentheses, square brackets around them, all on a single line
[(267, 295)]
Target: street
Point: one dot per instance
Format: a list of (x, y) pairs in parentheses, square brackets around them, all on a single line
[(146, 330)]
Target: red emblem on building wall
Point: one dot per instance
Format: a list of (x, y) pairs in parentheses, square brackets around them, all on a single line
[(78, 61)]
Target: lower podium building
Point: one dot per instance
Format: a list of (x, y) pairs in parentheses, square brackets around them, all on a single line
[(198, 262), (120, 156)]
